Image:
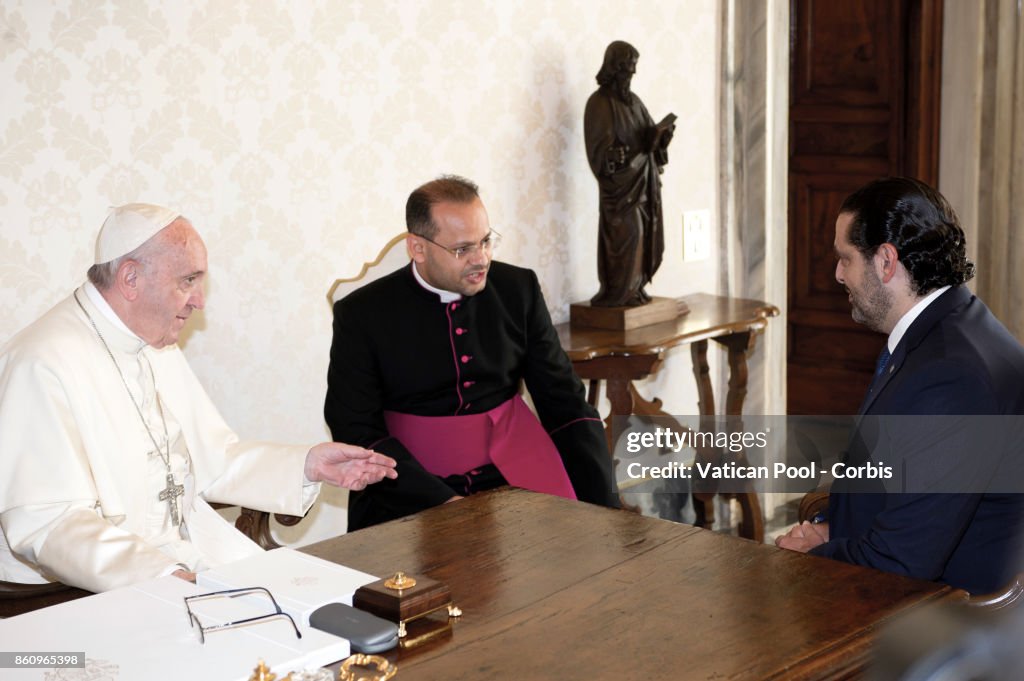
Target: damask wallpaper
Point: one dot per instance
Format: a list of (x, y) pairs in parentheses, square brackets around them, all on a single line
[(291, 134)]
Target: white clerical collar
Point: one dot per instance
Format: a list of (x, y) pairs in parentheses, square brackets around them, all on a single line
[(445, 296), (101, 304), (913, 313)]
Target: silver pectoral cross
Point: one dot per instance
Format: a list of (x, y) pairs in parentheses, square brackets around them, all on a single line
[(170, 494)]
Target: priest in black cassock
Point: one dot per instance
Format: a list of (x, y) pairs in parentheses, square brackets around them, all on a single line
[(426, 365)]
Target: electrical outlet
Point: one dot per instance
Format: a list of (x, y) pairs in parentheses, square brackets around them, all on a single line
[(696, 235)]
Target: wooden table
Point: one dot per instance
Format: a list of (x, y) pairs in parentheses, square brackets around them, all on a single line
[(622, 357), (554, 589)]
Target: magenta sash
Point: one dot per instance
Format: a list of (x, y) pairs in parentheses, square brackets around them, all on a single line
[(508, 436)]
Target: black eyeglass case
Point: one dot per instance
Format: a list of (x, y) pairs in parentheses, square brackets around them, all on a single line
[(366, 633)]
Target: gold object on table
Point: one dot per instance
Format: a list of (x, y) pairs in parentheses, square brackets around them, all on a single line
[(261, 673), (400, 581), (403, 598), (385, 670)]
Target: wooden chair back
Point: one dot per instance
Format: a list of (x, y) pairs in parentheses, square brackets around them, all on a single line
[(390, 258)]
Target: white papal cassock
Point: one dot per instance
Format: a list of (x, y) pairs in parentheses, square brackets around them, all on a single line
[(79, 475)]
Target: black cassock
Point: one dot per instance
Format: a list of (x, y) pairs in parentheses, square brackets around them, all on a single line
[(398, 348)]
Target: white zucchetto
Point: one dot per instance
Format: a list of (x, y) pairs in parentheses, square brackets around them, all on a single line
[(128, 227)]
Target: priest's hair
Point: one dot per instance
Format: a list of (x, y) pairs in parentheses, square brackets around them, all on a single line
[(445, 189)]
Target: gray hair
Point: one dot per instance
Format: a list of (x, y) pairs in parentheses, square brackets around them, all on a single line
[(102, 275)]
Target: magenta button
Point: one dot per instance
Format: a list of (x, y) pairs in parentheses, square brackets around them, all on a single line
[(459, 332), (466, 384), (465, 358)]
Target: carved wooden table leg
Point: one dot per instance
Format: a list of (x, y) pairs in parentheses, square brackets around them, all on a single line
[(703, 502), (702, 373), (739, 346), (752, 523), (620, 395), (618, 372)]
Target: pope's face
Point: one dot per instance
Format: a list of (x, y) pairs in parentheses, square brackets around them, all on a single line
[(870, 302), (459, 224), (170, 285)]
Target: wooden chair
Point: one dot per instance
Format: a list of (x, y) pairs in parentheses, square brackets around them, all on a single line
[(390, 258), (1010, 596), (16, 599), (256, 524), (812, 504)]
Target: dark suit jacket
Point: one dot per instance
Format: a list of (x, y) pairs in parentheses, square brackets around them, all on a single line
[(396, 349), (955, 361)]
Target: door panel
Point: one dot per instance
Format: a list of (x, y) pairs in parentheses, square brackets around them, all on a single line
[(864, 103)]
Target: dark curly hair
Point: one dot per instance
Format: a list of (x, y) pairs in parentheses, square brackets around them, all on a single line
[(919, 222)]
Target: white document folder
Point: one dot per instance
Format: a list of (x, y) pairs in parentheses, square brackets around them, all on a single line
[(301, 583), (143, 632)]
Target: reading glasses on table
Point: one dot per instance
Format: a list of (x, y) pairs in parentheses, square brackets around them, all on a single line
[(235, 593)]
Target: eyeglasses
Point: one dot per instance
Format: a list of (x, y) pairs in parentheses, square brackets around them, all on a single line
[(489, 243), (234, 593)]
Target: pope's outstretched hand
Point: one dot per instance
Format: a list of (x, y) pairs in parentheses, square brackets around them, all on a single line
[(347, 466)]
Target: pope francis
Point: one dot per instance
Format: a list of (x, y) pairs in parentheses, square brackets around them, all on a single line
[(110, 448)]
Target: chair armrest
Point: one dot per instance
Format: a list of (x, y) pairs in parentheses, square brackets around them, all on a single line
[(812, 504), (256, 526), (16, 598), (1010, 596)]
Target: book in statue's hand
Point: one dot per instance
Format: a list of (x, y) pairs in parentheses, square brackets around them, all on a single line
[(665, 127)]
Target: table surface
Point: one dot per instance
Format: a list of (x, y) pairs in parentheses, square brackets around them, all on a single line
[(710, 316), (557, 589)]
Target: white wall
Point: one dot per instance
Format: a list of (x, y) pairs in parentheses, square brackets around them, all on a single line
[(291, 134)]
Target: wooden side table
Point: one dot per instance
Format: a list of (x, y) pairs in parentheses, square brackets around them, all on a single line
[(622, 357)]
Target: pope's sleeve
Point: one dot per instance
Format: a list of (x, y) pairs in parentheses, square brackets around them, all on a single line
[(354, 412), (47, 499), (557, 392), (78, 547), (266, 476)]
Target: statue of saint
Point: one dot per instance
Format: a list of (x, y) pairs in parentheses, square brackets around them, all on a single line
[(627, 152)]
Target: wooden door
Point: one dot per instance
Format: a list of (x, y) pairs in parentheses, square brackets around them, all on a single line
[(864, 103)]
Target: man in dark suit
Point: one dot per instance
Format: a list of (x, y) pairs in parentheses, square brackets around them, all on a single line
[(947, 369), (426, 365)]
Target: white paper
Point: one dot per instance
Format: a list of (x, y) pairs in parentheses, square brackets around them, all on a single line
[(143, 632), (301, 583)]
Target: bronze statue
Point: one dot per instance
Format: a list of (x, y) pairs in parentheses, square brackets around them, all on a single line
[(627, 152)]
